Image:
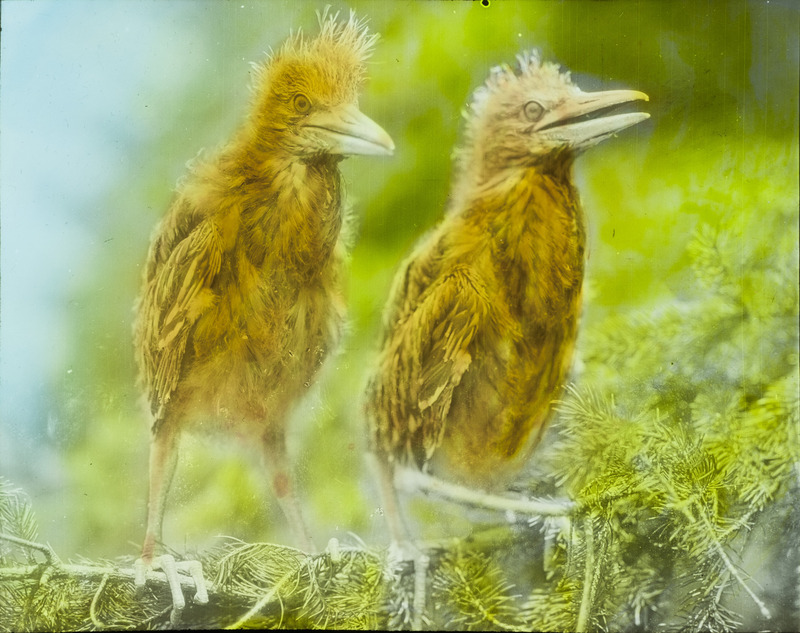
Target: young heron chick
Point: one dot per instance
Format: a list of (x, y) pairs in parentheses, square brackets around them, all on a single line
[(481, 324), (242, 299)]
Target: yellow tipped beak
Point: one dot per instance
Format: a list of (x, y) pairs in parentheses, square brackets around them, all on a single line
[(571, 122), (346, 130)]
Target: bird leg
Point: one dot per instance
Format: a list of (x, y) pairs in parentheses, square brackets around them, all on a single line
[(384, 470), (411, 480), (276, 463), (163, 460), (401, 548)]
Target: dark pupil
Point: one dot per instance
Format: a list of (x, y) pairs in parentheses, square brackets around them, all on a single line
[(533, 111), (301, 103)]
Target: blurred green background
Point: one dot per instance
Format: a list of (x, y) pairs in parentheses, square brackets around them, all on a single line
[(103, 104)]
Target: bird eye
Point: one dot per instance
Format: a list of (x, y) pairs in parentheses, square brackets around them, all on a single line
[(301, 103), (533, 111)]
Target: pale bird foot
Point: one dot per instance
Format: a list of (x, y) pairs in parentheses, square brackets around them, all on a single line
[(192, 575), (405, 551), (333, 551), (402, 552)]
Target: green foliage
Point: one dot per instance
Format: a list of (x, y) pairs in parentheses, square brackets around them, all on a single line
[(678, 438), (685, 427), (341, 591), (723, 100), (471, 593), (259, 585), (16, 517)]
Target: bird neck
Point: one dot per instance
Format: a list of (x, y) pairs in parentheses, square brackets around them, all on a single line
[(291, 216), (306, 218), (536, 237)]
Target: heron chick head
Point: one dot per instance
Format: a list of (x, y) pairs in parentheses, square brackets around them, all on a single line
[(535, 113), (306, 93)]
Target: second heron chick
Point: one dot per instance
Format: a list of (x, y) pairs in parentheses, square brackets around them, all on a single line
[(481, 324)]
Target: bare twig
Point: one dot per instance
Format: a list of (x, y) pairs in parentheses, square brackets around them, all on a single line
[(93, 607), (588, 580), (735, 572), (48, 551)]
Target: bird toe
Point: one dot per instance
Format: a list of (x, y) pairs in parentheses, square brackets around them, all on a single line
[(177, 574)]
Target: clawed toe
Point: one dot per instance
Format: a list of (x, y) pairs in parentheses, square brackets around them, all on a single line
[(332, 550), (177, 574), (405, 551)]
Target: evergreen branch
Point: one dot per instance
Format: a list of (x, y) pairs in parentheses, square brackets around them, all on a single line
[(20, 572), (88, 572), (16, 516), (271, 595), (476, 592), (588, 580), (708, 261), (50, 555), (411, 480), (93, 606), (735, 573)]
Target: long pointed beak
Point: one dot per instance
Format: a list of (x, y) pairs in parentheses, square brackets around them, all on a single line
[(346, 130), (563, 124)]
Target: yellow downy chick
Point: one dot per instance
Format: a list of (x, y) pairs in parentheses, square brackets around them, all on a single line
[(481, 323), (241, 300)]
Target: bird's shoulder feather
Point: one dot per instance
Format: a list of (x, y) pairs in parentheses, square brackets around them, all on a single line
[(429, 353), (185, 258)]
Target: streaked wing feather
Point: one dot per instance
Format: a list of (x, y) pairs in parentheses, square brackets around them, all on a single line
[(435, 347), (171, 305)]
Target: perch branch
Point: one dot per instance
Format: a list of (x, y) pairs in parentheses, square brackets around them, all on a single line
[(264, 601), (410, 480)]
